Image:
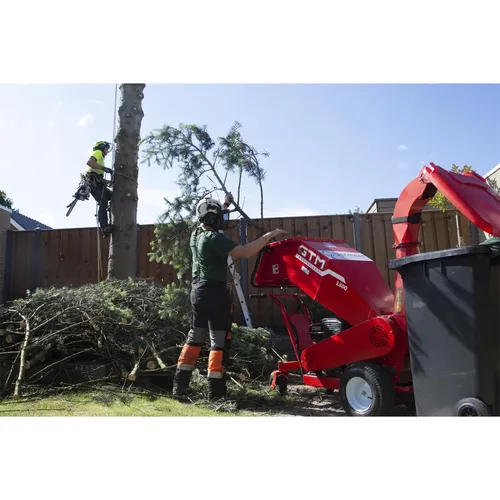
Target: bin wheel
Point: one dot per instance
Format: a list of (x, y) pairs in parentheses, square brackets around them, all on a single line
[(366, 390), (472, 407), (281, 386)]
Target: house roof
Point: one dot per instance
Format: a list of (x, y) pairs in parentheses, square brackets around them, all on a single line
[(378, 200), (492, 171), (27, 223)]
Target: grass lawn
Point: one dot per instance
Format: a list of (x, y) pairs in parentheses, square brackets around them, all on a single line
[(113, 402)]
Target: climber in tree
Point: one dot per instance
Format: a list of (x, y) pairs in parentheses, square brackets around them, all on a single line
[(98, 185)]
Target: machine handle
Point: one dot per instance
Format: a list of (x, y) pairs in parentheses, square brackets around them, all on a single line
[(258, 295)]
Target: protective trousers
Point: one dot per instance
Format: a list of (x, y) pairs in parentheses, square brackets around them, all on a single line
[(102, 195), (211, 313)]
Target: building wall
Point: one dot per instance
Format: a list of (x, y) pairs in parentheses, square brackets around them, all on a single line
[(494, 174), (4, 227), (387, 207)]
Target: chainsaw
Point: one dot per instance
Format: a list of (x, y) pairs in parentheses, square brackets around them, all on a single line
[(83, 191)]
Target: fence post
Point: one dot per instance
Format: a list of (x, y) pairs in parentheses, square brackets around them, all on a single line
[(357, 231), (35, 269), (244, 262)]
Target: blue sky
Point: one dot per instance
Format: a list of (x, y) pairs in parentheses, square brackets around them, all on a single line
[(332, 147)]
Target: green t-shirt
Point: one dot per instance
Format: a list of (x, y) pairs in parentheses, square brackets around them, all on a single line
[(210, 250)]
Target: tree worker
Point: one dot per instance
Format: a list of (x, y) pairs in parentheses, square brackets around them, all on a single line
[(210, 297), (98, 185)]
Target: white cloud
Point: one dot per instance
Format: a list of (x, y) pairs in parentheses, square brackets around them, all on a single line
[(51, 122), (402, 165), (402, 147), (85, 120), (96, 101)]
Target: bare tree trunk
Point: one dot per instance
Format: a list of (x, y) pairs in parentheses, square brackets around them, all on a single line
[(123, 245), (261, 199)]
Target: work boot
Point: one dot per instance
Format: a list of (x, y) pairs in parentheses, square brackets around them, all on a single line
[(182, 379), (217, 388)]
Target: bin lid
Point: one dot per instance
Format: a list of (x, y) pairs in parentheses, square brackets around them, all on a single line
[(438, 255), (470, 194)]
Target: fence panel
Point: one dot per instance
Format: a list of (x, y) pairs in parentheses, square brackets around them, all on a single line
[(69, 257)]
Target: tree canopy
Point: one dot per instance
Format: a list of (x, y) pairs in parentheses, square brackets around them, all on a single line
[(204, 166), (5, 200)]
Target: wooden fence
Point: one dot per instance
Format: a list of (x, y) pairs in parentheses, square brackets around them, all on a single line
[(69, 257)]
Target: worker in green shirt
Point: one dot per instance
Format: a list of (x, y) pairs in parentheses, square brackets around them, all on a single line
[(210, 296)]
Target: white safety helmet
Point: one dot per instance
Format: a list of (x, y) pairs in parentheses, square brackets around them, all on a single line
[(208, 206)]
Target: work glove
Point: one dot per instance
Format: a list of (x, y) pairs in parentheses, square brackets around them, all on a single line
[(108, 170), (228, 199)]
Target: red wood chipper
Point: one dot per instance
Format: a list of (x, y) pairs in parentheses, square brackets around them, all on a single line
[(368, 360)]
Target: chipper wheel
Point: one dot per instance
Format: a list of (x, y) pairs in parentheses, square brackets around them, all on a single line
[(471, 407), (366, 390), (281, 384)]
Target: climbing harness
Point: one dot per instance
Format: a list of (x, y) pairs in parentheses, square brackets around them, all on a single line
[(87, 182)]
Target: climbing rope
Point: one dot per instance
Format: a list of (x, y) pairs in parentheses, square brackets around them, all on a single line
[(99, 253)]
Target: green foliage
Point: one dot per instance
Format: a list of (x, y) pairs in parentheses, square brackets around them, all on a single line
[(5, 200), (171, 243), (252, 350), (115, 323), (204, 166), (439, 201), (175, 306)]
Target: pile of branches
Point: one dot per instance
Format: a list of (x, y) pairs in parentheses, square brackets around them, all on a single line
[(111, 332)]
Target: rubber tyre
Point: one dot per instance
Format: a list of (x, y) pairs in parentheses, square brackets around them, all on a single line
[(281, 384), (383, 397), (471, 407)]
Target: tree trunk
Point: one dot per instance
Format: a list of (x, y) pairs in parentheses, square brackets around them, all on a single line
[(123, 245), (261, 199)]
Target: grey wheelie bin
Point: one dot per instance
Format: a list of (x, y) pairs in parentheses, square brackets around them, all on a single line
[(452, 301)]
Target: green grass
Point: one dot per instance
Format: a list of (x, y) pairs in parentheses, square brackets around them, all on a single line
[(100, 404), (252, 400)]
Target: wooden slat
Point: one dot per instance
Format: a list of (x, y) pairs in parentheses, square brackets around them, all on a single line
[(428, 232), (389, 240), (366, 236), (442, 234), (348, 229), (380, 253), (325, 227), (69, 256)]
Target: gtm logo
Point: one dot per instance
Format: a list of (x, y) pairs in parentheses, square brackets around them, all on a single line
[(312, 257)]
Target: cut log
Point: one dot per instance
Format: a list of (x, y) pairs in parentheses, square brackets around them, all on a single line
[(22, 362)]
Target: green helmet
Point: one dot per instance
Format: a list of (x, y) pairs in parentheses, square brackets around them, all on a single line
[(102, 145)]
